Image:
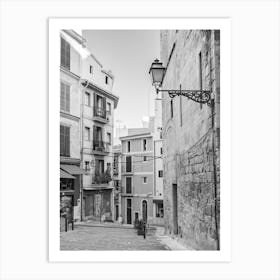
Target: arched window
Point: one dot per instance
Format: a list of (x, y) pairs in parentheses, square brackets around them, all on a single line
[(144, 210)]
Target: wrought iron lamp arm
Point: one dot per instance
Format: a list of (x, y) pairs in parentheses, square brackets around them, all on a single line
[(199, 96)]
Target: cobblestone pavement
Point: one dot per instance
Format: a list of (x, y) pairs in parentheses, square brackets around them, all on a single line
[(90, 237)]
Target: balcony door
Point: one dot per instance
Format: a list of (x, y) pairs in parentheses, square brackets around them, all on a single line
[(97, 137), (99, 166), (100, 106)]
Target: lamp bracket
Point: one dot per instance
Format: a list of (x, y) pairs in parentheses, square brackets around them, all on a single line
[(199, 96)]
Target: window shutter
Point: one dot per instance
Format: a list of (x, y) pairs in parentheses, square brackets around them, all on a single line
[(101, 134), (104, 106), (62, 101), (67, 98), (61, 140), (62, 51), (128, 164), (94, 134), (94, 104), (67, 55), (97, 166), (67, 141)]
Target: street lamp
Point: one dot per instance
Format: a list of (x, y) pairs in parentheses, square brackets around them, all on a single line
[(157, 72)]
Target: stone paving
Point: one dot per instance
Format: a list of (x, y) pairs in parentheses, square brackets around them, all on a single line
[(101, 238)]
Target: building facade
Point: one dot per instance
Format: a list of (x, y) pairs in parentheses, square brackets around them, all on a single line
[(117, 180), (70, 134), (191, 138), (86, 133), (98, 104), (158, 209), (137, 176)]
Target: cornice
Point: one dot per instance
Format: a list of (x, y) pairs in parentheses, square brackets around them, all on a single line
[(69, 116), (68, 72)]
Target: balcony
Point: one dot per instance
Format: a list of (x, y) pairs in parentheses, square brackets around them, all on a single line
[(100, 147), (100, 114), (102, 178)]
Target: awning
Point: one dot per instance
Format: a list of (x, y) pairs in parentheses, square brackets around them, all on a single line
[(72, 169), (65, 175), (156, 199)]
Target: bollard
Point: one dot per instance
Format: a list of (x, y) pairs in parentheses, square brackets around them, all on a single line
[(72, 224)]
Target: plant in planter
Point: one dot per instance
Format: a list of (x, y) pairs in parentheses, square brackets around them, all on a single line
[(102, 178), (107, 176)]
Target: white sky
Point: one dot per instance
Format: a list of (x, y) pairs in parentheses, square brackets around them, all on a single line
[(129, 55)]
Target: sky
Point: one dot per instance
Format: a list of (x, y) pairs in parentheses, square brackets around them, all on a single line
[(129, 55)]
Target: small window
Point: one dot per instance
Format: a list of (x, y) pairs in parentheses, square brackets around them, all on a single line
[(161, 150), (87, 168), (87, 133), (160, 173), (145, 180), (145, 145), (171, 108), (128, 146), (106, 80), (90, 69), (144, 158), (109, 138), (87, 98)]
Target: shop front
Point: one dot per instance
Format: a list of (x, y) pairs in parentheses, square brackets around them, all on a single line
[(98, 204)]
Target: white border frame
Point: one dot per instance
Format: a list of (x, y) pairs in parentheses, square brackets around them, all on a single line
[(55, 255)]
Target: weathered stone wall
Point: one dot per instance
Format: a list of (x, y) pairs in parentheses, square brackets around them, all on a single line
[(196, 195), (189, 138)]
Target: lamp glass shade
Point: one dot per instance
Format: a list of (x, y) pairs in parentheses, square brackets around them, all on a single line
[(157, 72)]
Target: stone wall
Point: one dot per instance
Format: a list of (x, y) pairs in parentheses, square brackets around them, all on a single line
[(191, 168), (196, 195)]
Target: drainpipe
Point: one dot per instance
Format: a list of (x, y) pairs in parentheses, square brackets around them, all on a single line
[(82, 143), (214, 157)]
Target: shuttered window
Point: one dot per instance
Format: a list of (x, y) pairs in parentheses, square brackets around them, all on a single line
[(64, 97), (128, 164), (128, 185), (64, 54), (65, 141)]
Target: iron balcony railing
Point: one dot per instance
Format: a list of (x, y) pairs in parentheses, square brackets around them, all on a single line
[(100, 146), (99, 112)]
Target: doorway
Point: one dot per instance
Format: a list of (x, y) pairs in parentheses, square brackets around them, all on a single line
[(175, 208), (144, 210), (128, 211), (117, 212)]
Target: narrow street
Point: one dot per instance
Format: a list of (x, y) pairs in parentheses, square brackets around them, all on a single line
[(93, 236)]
